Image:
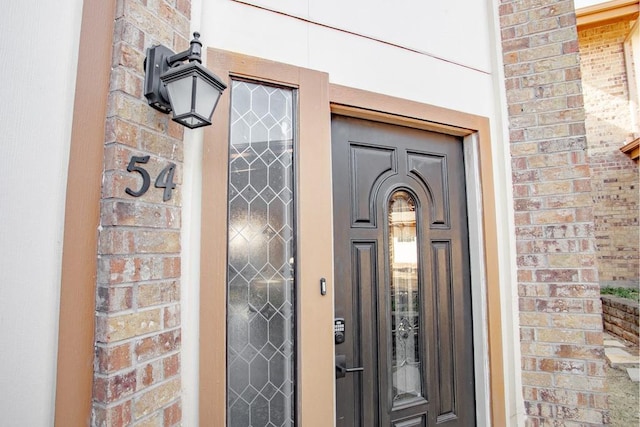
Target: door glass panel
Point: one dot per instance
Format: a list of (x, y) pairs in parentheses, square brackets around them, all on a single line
[(405, 298), (260, 309)]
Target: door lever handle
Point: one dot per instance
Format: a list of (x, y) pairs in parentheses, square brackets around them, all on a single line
[(341, 366)]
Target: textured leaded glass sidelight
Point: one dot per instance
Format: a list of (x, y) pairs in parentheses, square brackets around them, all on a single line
[(405, 298), (260, 319)]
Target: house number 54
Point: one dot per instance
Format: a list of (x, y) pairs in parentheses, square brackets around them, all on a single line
[(164, 179)]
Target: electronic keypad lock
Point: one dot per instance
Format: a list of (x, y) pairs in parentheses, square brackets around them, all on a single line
[(338, 329)]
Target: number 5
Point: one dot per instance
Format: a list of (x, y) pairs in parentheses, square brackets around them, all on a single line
[(146, 179)]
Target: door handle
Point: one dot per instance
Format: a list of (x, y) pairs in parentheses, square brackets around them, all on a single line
[(341, 366)]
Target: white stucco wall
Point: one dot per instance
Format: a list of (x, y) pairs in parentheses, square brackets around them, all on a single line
[(443, 53), (438, 55), (38, 47)]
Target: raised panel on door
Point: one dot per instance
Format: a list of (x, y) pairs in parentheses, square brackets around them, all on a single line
[(402, 277)]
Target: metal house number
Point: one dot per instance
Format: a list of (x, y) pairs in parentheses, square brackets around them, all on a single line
[(164, 179)]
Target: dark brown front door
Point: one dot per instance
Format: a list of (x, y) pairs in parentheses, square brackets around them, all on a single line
[(403, 290)]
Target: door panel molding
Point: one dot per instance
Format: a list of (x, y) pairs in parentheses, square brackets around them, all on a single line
[(441, 251), (429, 170), (368, 164), (475, 129)]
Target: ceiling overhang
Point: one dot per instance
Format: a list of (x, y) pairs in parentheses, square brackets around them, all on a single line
[(632, 149), (607, 12)]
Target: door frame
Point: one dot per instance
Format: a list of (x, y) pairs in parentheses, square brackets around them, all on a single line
[(483, 247), (318, 99)]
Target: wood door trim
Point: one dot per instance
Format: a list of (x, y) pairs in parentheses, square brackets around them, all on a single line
[(315, 344), (387, 109), (74, 376), (382, 108)]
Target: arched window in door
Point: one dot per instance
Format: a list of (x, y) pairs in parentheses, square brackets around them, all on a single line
[(404, 288)]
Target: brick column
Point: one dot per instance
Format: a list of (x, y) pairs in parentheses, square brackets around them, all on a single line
[(137, 365), (560, 311)]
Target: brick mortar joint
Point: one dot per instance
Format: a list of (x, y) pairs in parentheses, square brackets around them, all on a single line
[(158, 385), (118, 40), (127, 227), (107, 315), (143, 256), (113, 114), (141, 126), (138, 309), (141, 310), (131, 397), (135, 365), (116, 68), (118, 144), (139, 282), (150, 416), (139, 203), (170, 254)]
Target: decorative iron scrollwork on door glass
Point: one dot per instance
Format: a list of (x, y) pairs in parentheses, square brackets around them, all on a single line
[(405, 298), (261, 314)]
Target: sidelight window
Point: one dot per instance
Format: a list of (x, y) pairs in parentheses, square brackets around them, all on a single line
[(260, 306)]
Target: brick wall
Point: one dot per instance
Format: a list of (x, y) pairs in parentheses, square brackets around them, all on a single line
[(615, 177), (621, 317), (560, 310), (137, 364)]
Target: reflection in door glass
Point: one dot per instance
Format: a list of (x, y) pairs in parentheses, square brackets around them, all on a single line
[(405, 298), (260, 315)]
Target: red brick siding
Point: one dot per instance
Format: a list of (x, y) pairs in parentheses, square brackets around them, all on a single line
[(560, 309), (138, 331), (615, 179)]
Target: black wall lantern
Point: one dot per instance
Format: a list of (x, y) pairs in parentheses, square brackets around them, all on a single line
[(186, 88)]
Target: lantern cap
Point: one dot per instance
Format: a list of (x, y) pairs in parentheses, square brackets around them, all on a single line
[(192, 68)]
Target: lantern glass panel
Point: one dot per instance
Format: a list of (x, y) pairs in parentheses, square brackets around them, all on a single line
[(180, 93), (207, 98)]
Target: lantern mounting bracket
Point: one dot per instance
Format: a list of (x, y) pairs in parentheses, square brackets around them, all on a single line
[(155, 64), (161, 62)]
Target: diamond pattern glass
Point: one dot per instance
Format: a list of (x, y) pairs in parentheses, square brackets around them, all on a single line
[(405, 297), (260, 320)]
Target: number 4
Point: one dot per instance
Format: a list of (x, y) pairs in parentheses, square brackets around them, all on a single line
[(165, 180)]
